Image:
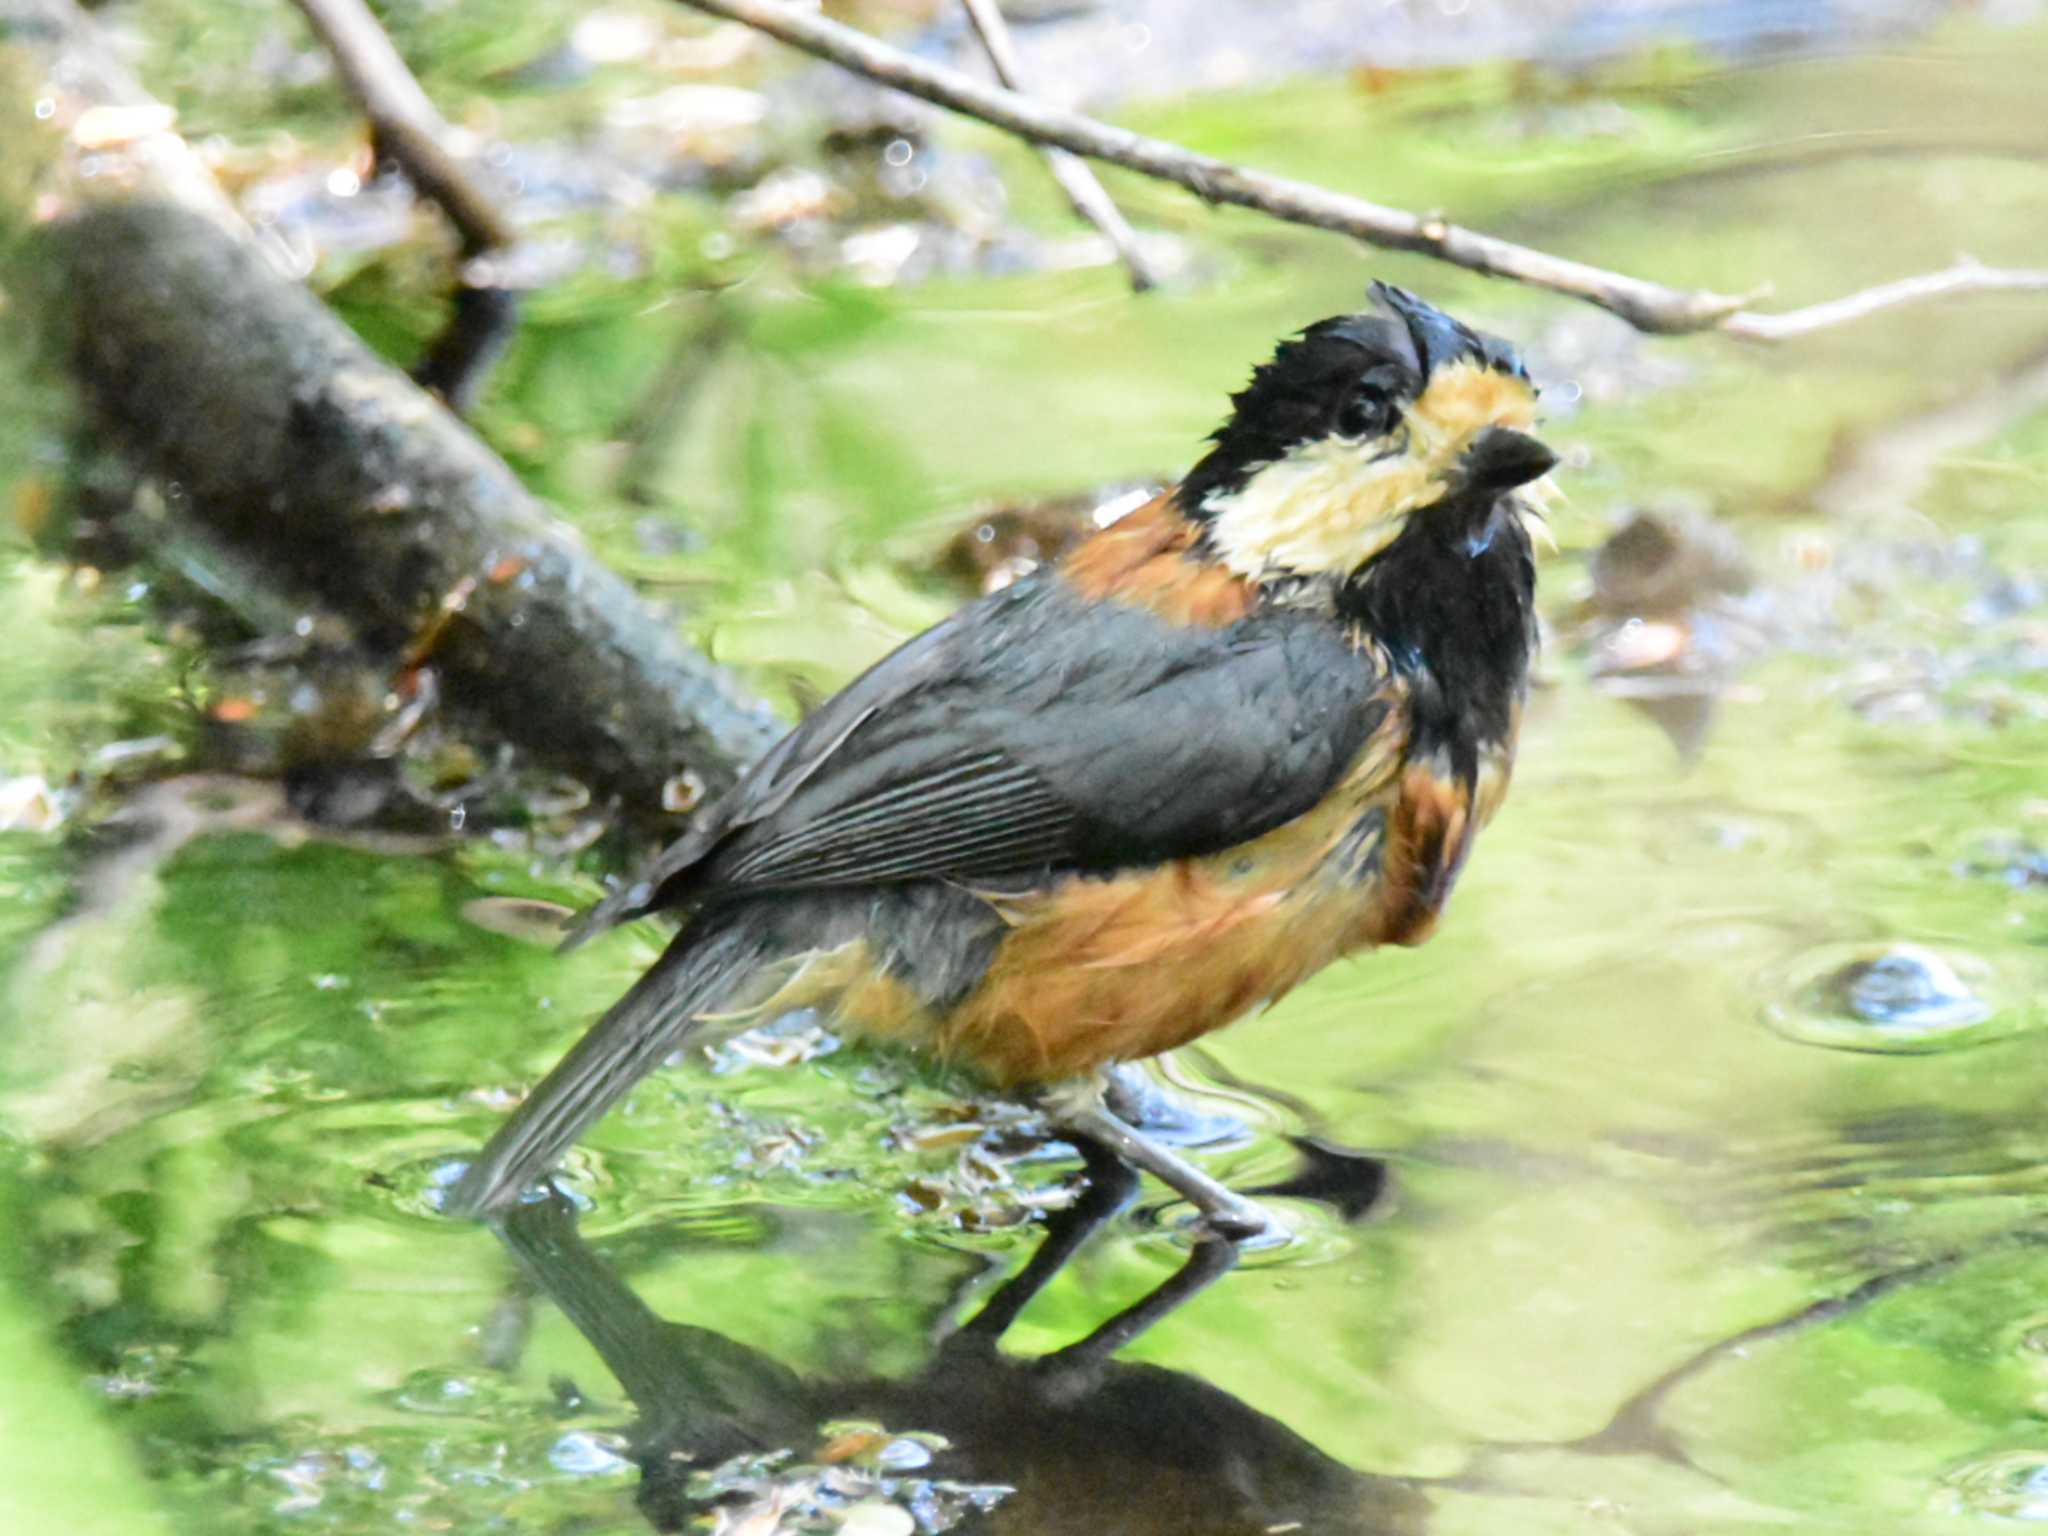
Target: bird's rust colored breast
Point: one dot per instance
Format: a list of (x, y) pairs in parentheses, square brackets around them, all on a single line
[(1098, 970)]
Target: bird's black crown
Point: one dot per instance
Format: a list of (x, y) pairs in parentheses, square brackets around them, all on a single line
[(1344, 376)]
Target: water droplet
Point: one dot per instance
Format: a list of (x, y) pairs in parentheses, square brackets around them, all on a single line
[(904, 1454), (419, 1187), (2012, 1486), (437, 1392), (1907, 985), (1903, 998), (589, 1455)]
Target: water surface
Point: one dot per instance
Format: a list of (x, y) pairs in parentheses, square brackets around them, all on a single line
[(1712, 1117)]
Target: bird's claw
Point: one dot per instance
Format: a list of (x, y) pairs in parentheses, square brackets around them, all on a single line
[(1240, 1223)]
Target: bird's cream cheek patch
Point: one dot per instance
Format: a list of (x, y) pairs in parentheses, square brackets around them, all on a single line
[(1328, 506), (1331, 505)]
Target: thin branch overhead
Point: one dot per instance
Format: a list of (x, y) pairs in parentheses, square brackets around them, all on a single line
[(407, 126), (1966, 275), (1646, 305), (1091, 201)]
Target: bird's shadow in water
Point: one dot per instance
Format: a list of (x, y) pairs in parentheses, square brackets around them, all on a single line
[(1071, 1441)]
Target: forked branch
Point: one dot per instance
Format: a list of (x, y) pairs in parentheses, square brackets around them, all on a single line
[(404, 120), (1966, 275), (1088, 196), (405, 126)]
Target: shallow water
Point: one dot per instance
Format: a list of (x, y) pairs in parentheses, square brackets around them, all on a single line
[(1712, 1117)]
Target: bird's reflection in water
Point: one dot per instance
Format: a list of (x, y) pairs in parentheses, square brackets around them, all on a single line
[(1073, 1441)]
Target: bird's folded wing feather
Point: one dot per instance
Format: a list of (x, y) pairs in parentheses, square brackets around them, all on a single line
[(1035, 732)]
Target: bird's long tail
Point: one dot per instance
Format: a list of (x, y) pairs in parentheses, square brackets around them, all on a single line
[(702, 972)]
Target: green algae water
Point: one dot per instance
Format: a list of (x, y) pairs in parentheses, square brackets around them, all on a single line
[(1714, 1119)]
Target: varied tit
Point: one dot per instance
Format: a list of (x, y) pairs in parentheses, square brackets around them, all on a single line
[(1250, 728)]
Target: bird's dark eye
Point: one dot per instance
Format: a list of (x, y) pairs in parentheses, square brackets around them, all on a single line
[(1369, 412)]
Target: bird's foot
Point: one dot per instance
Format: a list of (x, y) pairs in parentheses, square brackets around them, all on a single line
[(1224, 1213), (1239, 1220)]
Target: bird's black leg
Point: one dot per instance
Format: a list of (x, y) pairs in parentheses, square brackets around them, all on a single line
[(1212, 1259), (1110, 1184), (1079, 1109)]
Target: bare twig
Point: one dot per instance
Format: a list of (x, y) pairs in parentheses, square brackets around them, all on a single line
[(1650, 306), (1646, 305), (406, 125), (1090, 198), (1967, 275)]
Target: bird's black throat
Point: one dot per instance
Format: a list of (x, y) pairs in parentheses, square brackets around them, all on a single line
[(1453, 601)]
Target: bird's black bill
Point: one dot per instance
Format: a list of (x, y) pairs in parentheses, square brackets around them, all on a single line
[(1501, 458)]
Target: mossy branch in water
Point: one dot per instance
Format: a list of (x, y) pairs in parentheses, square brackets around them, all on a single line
[(285, 435)]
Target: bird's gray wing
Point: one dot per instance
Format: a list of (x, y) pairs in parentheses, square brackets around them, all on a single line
[(1038, 732)]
